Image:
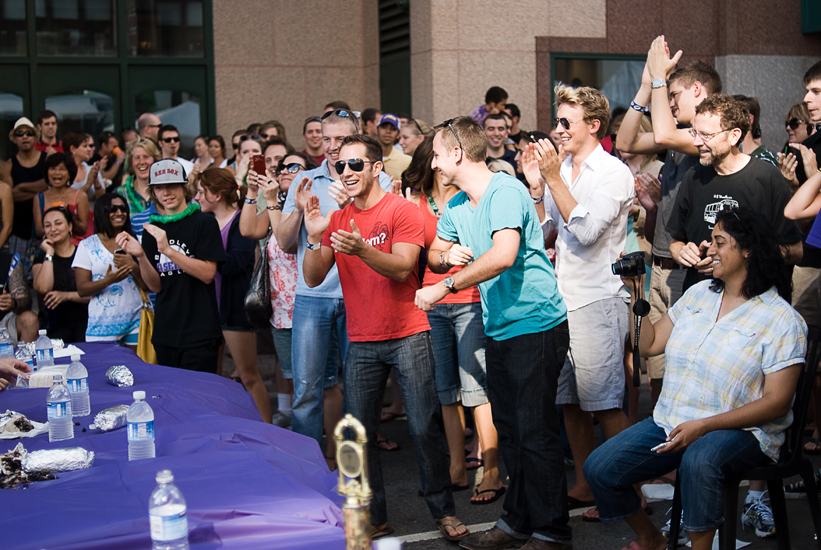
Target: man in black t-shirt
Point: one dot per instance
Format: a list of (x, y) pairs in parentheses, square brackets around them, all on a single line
[(725, 178), (178, 260)]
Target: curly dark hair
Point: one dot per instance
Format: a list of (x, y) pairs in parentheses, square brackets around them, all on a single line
[(765, 264), (56, 159)]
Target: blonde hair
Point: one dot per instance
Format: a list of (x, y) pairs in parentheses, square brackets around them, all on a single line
[(499, 165), (593, 103), (146, 144)]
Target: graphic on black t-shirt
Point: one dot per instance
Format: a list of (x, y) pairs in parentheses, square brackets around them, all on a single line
[(165, 267), (380, 234), (712, 209)]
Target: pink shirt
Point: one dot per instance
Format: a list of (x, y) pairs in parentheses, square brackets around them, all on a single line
[(282, 276)]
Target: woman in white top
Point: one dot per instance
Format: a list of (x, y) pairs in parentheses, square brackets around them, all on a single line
[(81, 147)]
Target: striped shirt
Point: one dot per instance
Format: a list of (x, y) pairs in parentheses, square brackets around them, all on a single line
[(717, 366)]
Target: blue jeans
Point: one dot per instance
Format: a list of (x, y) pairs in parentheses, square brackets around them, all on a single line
[(318, 335), (522, 376), (613, 468), (458, 338), (282, 345), (366, 373)]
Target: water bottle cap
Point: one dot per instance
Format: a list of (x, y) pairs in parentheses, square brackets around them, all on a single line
[(387, 544), (56, 378), (139, 395), (165, 476), (42, 332), (75, 358)]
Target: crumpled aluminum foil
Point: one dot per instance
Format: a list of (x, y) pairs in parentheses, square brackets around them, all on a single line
[(7, 417), (58, 460), (56, 343), (119, 376), (112, 418)]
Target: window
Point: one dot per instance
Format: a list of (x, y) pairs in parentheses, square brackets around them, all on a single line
[(85, 111), (618, 79), (75, 27), (170, 28), (13, 27), (11, 108), (180, 109)]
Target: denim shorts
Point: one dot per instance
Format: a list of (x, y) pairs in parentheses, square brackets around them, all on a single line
[(282, 345), (593, 373), (458, 338)]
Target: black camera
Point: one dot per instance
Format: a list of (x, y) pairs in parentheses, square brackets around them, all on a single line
[(629, 265)]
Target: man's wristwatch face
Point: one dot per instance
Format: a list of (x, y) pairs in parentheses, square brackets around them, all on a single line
[(448, 282), (658, 83)]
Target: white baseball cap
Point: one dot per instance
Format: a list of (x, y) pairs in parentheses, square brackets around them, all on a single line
[(166, 172)]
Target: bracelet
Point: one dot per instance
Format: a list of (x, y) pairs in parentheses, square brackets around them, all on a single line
[(442, 260), (539, 200), (636, 107), (250, 201), (274, 207)]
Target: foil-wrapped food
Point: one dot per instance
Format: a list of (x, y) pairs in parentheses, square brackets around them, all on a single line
[(67, 459), (56, 343), (112, 418), (119, 376), (11, 421)]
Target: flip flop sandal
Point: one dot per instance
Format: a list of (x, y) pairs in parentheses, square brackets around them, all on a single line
[(816, 451), (453, 523), (496, 494), (382, 532)]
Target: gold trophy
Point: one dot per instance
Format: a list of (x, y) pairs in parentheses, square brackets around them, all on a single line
[(352, 463)]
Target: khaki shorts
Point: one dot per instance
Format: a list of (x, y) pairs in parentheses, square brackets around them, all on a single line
[(805, 293), (665, 290)]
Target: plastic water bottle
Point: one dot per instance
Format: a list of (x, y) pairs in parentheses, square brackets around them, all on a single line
[(167, 515), (78, 386), (6, 345), (140, 428), (44, 350), (25, 356), (60, 425)]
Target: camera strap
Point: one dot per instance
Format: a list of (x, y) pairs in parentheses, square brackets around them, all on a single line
[(640, 309)]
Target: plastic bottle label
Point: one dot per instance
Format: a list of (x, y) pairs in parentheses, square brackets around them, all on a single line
[(60, 409), (167, 528), (78, 385), (139, 431), (44, 355)]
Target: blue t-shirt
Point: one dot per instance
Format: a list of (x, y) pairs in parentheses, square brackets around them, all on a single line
[(321, 182), (524, 299)]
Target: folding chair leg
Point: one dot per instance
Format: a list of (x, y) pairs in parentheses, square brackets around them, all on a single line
[(779, 507), (808, 475), (675, 518), (727, 531)]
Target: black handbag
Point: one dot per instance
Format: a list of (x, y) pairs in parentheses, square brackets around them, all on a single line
[(258, 306)]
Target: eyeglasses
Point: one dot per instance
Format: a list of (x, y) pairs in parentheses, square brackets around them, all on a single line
[(154, 126), (24, 133), (564, 122), (121, 208), (342, 113), (356, 165), (292, 168), (794, 123), (171, 140), (707, 137), (449, 124)]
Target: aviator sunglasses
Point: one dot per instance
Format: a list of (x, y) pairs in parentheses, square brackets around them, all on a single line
[(291, 168), (356, 165)]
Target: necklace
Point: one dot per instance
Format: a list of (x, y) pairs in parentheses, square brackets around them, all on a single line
[(433, 206), (171, 218)]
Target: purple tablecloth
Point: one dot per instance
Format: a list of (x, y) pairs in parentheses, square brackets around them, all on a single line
[(247, 484)]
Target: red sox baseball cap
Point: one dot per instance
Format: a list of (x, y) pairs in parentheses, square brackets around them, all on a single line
[(165, 172)]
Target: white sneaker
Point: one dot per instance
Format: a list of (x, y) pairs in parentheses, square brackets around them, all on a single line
[(282, 419), (683, 535), (759, 515)]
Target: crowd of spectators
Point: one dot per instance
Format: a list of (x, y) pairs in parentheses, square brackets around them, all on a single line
[(469, 263)]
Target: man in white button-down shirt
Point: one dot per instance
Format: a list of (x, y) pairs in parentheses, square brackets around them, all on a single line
[(589, 197)]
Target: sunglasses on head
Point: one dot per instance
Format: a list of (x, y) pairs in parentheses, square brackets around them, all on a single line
[(312, 119), (123, 209), (449, 124), (171, 140), (342, 113), (24, 133), (794, 123), (356, 165), (291, 168), (417, 126)]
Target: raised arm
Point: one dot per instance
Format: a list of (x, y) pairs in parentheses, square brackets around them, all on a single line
[(396, 264), (287, 234), (319, 261), (203, 270), (148, 273)]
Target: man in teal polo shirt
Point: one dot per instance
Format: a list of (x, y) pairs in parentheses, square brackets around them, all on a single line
[(492, 228)]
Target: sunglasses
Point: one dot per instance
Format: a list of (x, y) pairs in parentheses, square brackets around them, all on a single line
[(794, 123), (356, 165), (421, 133), (267, 136), (564, 122), (171, 140), (121, 208), (342, 113), (24, 133), (449, 124), (312, 119), (292, 168)]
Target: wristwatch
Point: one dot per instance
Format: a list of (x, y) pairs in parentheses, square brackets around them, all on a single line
[(658, 83), (310, 246), (448, 282), (49, 258)]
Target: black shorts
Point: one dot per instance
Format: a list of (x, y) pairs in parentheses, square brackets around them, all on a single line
[(201, 358)]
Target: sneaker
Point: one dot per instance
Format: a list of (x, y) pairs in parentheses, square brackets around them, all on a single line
[(683, 535), (282, 419), (798, 490), (759, 516)]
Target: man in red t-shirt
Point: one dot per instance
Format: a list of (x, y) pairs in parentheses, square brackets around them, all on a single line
[(375, 242)]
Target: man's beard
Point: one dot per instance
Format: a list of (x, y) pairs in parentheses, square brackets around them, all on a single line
[(714, 159)]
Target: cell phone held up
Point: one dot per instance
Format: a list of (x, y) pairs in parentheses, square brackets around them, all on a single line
[(258, 164)]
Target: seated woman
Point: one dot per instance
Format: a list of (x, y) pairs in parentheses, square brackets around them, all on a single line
[(109, 276), (66, 311), (734, 349)]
